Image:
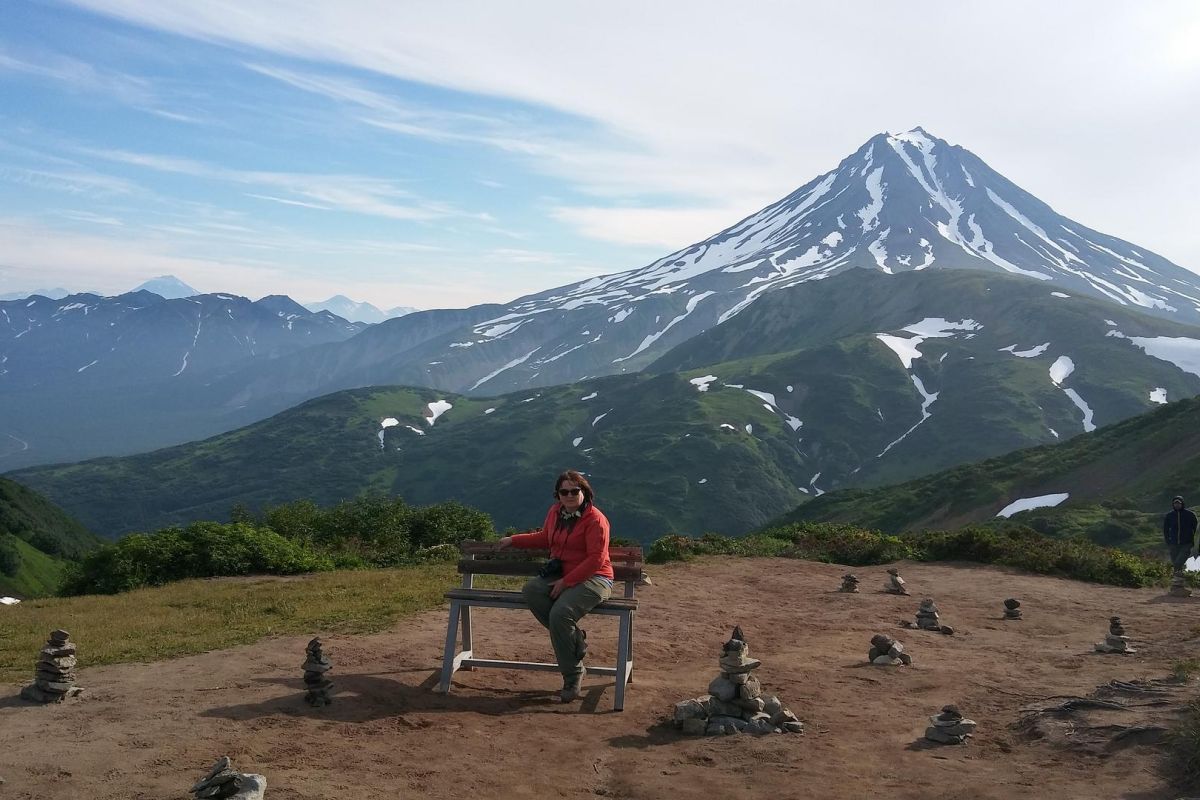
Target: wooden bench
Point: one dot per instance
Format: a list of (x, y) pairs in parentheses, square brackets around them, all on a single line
[(486, 558)]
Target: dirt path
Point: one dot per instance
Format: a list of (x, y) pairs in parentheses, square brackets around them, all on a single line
[(148, 730)]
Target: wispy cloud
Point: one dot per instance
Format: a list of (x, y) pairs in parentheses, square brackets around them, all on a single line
[(350, 193), (82, 77)]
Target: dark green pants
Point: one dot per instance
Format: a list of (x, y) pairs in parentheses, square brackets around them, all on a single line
[(1179, 555), (561, 617)]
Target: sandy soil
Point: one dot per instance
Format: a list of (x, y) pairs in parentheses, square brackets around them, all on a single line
[(149, 730)]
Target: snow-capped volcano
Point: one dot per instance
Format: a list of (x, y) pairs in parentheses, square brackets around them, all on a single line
[(903, 202)]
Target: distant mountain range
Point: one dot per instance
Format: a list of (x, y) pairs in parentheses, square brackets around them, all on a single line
[(856, 380), (87, 375), (54, 294), (167, 286), (346, 308)]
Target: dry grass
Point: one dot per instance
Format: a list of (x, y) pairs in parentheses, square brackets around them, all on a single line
[(200, 615)]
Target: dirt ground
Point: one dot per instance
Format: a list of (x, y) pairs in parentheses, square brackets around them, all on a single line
[(149, 730)]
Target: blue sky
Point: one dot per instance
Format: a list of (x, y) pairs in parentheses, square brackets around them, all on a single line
[(439, 155)]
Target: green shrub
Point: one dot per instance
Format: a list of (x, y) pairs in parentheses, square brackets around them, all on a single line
[(1014, 546), (201, 550)]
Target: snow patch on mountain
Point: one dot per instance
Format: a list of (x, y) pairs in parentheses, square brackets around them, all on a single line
[(436, 409), (1180, 351), (1088, 415), (927, 399), (508, 366), (384, 424), (1032, 352), (1059, 294), (701, 384), (767, 397), (590, 396), (928, 328), (1062, 367), (652, 338), (1158, 395), (1029, 503)]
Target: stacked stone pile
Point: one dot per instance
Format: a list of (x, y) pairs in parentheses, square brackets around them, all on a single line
[(1012, 608), (223, 781), (55, 677), (735, 702), (887, 652), (894, 584), (928, 619), (316, 681), (849, 583), (949, 727), (1115, 641)]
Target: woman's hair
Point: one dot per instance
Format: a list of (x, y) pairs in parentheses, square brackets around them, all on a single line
[(577, 478)]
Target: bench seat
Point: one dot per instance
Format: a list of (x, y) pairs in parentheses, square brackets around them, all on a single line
[(486, 558)]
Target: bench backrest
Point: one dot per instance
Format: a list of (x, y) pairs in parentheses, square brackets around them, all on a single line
[(486, 558)]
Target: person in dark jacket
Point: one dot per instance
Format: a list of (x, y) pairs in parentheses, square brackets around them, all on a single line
[(1179, 531)]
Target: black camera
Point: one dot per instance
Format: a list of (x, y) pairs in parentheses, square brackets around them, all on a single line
[(552, 571)]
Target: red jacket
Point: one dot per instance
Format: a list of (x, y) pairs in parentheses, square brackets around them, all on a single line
[(582, 549)]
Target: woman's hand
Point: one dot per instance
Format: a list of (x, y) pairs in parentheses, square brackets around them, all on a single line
[(556, 588), (505, 542)]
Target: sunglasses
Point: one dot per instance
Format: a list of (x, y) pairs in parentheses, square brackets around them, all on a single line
[(568, 492)]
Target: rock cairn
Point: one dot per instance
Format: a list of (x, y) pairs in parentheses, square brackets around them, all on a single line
[(894, 584), (949, 727), (928, 619), (316, 682), (849, 583), (887, 652), (223, 781), (735, 702), (55, 677), (1115, 641), (1012, 608), (1178, 589)]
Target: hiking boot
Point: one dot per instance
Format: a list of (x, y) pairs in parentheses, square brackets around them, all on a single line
[(572, 687)]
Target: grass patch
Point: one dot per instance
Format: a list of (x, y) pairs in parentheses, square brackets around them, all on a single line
[(196, 616), (1183, 669), (1184, 749)]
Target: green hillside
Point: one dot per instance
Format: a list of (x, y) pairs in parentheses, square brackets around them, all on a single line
[(647, 442), (1120, 480), (35, 539)]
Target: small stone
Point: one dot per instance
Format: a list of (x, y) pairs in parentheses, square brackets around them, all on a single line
[(724, 708), (739, 665), (792, 727), (772, 705), (782, 716), (316, 666), (59, 636), (722, 689), (750, 689), (736, 677), (754, 704), (689, 709)]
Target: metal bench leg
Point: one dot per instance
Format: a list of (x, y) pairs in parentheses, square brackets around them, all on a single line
[(631, 613), (623, 636), (449, 662), (467, 646)]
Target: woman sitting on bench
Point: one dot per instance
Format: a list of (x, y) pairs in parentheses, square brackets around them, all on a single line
[(578, 577)]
